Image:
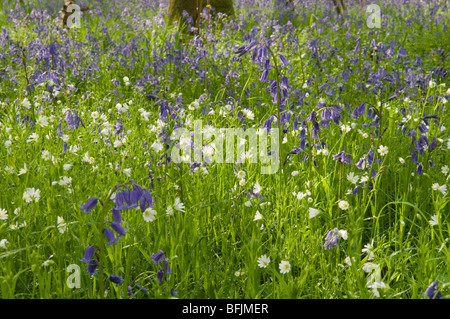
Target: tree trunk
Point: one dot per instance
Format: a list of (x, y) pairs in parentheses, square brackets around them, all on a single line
[(176, 8), (194, 7), (66, 14), (222, 6), (340, 8)]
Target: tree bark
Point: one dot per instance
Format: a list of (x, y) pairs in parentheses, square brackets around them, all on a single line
[(340, 8), (176, 8), (222, 6), (65, 14), (194, 7)]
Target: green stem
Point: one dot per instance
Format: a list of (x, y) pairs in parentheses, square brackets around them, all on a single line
[(102, 240), (280, 137)]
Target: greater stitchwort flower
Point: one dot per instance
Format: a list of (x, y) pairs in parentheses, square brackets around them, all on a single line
[(284, 266), (149, 214), (263, 261), (313, 212), (3, 214)]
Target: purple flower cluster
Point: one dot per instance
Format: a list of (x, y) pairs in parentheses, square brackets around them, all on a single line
[(332, 238), (164, 269), (136, 197)]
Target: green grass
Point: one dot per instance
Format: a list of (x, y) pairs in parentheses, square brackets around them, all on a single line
[(213, 247)]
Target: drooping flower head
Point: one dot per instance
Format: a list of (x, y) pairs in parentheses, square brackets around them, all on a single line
[(112, 240), (92, 267), (116, 279), (118, 228), (158, 257), (90, 204), (164, 269), (88, 253), (432, 291), (332, 238), (117, 217)]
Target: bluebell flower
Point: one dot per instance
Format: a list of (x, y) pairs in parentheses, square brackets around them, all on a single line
[(134, 196), (130, 291), (360, 163), (338, 156), (411, 132), (355, 190), (160, 276), (370, 157), (118, 228), (414, 157), (116, 279), (422, 144), (255, 55), (173, 292), (112, 240), (91, 203), (166, 268), (78, 120), (284, 84), (422, 128), (359, 110), (267, 65), (432, 145), (284, 60), (69, 120), (119, 199), (325, 116), (432, 116), (158, 257), (311, 116), (136, 286), (264, 76), (117, 217), (130, 199), (296, 150), (146, 200), (432, 164), (402, 53), (332, 238), (315, 130), (268, 124), (92, 267), (302, 134), (144, 290), (59, 130), (345, 75), (432, 291), (88, 253), (151, 97), (419, 170), (245, 48)]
